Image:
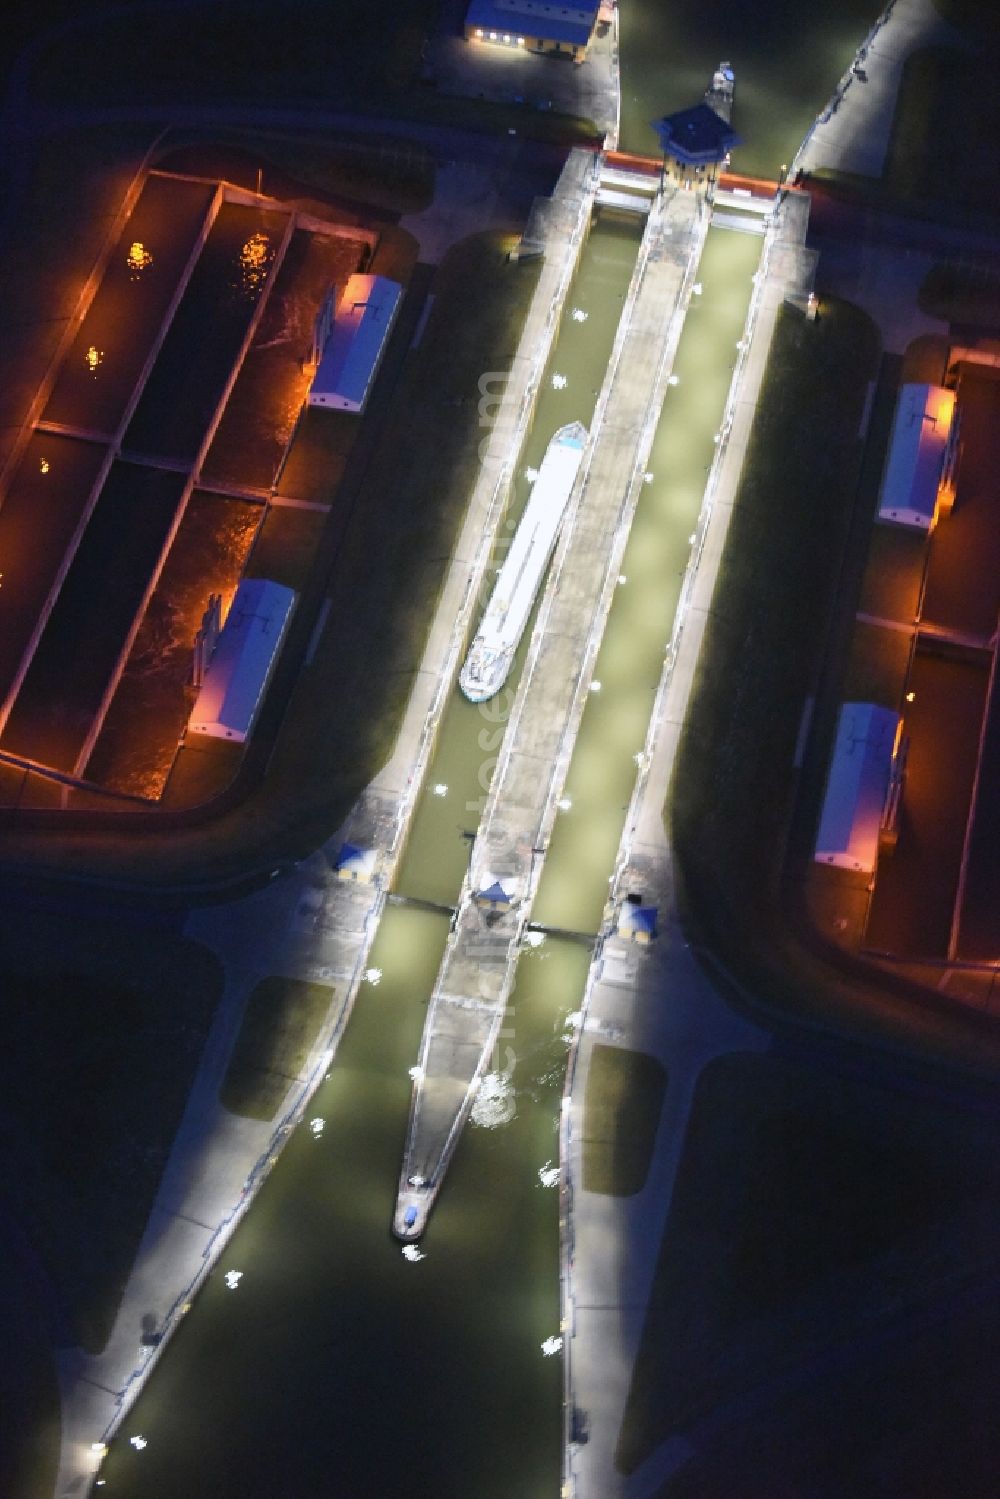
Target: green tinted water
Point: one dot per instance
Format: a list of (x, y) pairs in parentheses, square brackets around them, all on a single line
[(336, 1366), (451, 801), (602, 772)]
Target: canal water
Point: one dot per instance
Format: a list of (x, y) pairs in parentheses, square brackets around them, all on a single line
[(574, 884), (454, 793), (336, 1367), (787, 62)]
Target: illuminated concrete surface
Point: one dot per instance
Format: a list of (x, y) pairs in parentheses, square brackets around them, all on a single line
[(852, 133), (658, 999), (477, 972), (509, 74)]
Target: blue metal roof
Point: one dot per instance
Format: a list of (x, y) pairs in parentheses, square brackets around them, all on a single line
[(635, 919), (496, 892), (695, 135), (515, 21)]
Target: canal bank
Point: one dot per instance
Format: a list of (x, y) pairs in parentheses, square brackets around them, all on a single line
[(144, 1471), (450, 797), (334, 1365)]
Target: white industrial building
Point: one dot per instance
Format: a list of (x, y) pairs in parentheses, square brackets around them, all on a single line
[(862, 789), (917, 485), (535, 25), (354, 341), (243, 659)]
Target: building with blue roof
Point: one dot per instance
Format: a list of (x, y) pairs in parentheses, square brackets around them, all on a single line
[(533, 26), (496, 896), (241, 664), (355, 863), (636, 922), (863, 788), (695, 144)]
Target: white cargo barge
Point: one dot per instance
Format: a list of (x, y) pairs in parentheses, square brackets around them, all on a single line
[(492, 652)]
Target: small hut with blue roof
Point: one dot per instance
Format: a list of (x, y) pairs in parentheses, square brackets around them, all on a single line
[(695, 144)]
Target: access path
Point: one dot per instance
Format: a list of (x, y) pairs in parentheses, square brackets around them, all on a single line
[(477, 973)]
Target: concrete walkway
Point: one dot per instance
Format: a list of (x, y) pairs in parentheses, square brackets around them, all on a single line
[(477, 972), (310, 925), (852, 133), (655, 1000)]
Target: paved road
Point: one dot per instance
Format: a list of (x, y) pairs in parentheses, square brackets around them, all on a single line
[(309, 925)]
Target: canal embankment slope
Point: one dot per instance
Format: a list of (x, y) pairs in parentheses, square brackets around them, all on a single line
[(658, 1001)]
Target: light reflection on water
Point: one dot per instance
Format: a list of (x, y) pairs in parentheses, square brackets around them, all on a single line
[(607, 755), (253, 264), (437, 852), (337, 1365)]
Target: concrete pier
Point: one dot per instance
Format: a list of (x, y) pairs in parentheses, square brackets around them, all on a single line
[(477, 971)]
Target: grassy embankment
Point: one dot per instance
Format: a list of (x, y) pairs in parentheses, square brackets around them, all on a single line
[(624, 1098), (384, 172), (940, 163), (822, 1299), (281, 1022), (815, 1209), (102, 1028)]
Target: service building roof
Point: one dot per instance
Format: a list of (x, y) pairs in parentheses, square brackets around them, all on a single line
[(857, 786), (920, 432), (361, 327)]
